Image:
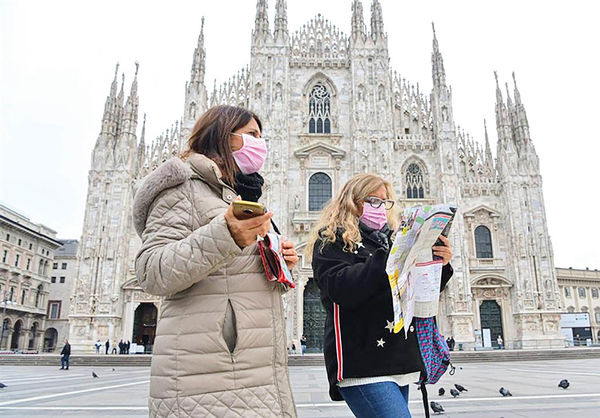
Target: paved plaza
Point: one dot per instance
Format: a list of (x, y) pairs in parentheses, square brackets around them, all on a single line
[(47, 391)]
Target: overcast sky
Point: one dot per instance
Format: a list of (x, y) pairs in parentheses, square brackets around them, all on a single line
[(57, 61)]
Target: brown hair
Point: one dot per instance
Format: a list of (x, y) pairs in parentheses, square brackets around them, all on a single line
[(210, 136)]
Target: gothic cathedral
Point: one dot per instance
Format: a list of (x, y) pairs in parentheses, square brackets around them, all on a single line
[(332, 107)]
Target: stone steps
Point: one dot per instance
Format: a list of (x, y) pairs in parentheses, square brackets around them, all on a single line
[(143, 360)]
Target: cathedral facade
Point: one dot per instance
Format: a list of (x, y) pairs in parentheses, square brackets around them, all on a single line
[(332, 107)]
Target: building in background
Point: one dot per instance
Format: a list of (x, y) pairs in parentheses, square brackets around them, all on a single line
[(332, 107), (580, 290), (26, 257), (62, 278)]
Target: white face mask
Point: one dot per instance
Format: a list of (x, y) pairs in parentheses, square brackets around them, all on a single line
[(251, 157)]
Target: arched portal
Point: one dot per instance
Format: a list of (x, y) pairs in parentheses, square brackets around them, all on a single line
[(33, 337), (314, 318), (144, 325), (50, 339), (14, 344)]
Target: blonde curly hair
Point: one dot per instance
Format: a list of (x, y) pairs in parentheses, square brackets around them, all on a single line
[(342, 212)]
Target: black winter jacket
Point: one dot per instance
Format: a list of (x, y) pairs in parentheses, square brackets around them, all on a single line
[(66, 351), (355, 291)]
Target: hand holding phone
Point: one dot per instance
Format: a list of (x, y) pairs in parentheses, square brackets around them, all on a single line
[(252, 224)]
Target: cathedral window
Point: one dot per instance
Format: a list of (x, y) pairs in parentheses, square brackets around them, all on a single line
[(595, 292), (319, 191), (597, 316), (414, 182), (567, 292), (319, 110), (581, 292), (381, 92), (483, 242)]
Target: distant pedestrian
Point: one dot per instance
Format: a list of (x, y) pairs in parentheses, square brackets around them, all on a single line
[(98, 345), (114, 347), (293, 348), (452, 344), (107, 346), (65, 353), (303, 344), (500, 342), (127, 346), (121, 347)]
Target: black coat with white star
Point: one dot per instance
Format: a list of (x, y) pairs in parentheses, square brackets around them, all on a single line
[(357, 283)]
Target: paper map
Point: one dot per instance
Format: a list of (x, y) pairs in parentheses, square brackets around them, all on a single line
[(413, 274)]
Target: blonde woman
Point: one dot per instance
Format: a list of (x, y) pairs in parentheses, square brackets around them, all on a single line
[(368, 365)]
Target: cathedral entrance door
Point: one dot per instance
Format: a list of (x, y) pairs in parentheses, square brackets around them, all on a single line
[(490, 315), (314, 318), (144, 326)]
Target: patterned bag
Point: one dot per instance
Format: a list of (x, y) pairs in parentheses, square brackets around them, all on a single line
[(434, 350), (435, 355)]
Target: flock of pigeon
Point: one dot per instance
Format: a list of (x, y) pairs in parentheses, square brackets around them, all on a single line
[(438, 409)]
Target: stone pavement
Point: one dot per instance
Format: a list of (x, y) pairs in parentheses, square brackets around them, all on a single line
[(34, 391)]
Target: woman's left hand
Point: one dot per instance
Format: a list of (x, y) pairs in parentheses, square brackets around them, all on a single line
[(444, 251), (289, 254)]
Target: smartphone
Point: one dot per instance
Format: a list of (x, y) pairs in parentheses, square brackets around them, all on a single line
[(445, 232), (243, 209)]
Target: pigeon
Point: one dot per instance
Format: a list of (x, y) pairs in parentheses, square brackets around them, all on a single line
[(113, 369), (460, 388), (436, 407), (564, 384), (94, 375), (505, 392), (441, 392), (454, 392), (2, 385)]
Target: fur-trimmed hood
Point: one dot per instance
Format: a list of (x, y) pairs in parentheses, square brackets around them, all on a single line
[(171, 173)]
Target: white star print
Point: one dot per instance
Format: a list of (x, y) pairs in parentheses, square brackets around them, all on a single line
[(380, 343), (360, 245), (389, 326)]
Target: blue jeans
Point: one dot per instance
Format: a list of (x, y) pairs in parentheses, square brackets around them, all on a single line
[(381, 400), (64, 360)]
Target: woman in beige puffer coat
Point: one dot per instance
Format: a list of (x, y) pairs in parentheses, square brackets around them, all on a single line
[(220, 346)]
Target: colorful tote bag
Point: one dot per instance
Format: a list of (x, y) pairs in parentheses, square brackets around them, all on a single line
[(434, 350)]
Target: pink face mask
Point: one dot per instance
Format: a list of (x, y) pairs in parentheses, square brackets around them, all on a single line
[(374, 218), (251, 157)]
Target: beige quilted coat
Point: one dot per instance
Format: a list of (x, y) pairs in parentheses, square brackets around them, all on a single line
[(220, 347)]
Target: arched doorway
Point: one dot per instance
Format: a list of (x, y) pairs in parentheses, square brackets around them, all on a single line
[(50, 339), (33, 337), (14, 344), (314, 317), (490, 315), (4, 332), (144, 326)]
